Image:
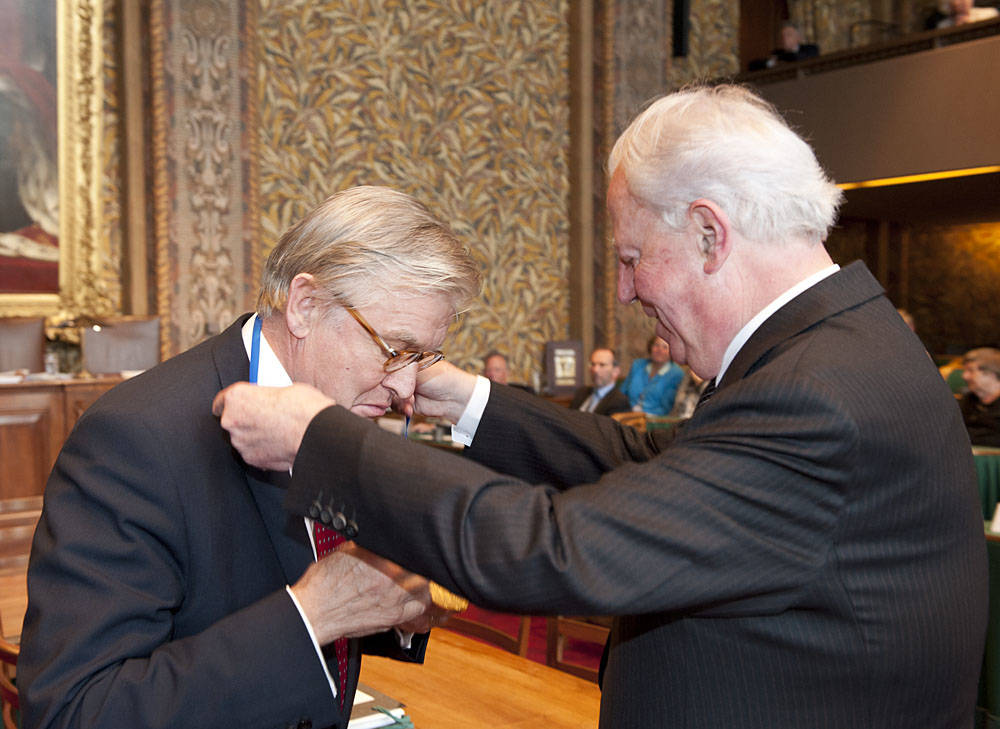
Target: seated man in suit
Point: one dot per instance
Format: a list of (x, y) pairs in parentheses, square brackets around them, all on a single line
[(603, 397), (981, 404), (496, 369), (158, 585), (806, 551)]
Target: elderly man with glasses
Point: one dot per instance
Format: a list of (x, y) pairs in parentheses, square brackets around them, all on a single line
[(167, 586)]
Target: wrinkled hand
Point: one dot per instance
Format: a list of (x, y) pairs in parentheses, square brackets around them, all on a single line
[(352, 593), (266, 424), (442, 392)]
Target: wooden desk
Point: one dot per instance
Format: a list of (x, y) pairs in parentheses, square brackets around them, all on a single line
[(465, 684), (35, 418)]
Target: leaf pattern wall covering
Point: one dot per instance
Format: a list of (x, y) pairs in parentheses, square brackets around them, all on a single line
[(463, 104)]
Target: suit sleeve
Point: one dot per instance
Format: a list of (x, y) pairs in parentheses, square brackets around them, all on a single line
[(567, 512), (108, 575)]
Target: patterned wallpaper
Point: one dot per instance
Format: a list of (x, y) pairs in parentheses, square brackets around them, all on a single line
[(645, 69), (462, 103)]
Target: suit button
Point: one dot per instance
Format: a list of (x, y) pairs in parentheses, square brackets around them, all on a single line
[(314, 510), (351, 530), (325, 517), (339, 521)]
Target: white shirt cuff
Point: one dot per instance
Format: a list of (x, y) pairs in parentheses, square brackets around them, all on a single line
[(465, 429), (312, 636)]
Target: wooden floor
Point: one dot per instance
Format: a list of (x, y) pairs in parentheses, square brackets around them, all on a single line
[(13, 601)]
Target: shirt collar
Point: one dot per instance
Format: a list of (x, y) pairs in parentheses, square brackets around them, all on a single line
[(270, 372), (600, 392), (764, 314)]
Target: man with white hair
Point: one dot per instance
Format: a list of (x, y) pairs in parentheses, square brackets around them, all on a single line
[(806, 552), (981, 404), (167, 586)]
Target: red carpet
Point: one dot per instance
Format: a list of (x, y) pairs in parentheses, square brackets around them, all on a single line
[(587, 654)]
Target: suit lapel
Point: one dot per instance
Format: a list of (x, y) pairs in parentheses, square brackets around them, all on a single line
[(849, 287), (286, 532)]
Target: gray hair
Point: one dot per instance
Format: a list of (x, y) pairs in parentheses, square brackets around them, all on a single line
[(365, 242), (727, 145)]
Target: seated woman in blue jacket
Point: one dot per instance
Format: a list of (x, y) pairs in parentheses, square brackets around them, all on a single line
[(652, 382)]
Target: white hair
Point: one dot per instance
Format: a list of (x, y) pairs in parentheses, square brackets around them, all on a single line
[(729, 146), (364, 243)]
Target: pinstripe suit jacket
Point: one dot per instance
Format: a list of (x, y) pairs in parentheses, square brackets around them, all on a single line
[(807, 552)]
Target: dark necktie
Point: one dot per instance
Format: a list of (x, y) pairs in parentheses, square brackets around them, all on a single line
[(327, 541), (706, 393)]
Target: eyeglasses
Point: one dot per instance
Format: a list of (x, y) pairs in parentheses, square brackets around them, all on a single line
[(397, 360)]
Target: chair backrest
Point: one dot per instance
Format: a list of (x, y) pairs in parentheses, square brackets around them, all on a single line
[(22, 344), (8, 691), (561, 628), (121, 344), (636, 419), (466, 624)]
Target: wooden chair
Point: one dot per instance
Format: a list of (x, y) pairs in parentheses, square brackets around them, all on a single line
[(8, 691), (636, 419), (475, 629), (589, 629)]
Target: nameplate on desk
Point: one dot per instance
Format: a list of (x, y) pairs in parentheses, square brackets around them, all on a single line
[(374, 709)]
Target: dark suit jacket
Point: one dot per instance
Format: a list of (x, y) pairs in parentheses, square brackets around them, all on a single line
[(156, 587), (806, 552), (614, 401)]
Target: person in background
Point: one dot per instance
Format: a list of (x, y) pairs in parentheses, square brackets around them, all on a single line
[(791, 49), (651, 384), (981, 403), (688, 394), (603, 397), (961, 12), (495, 367), (805, 551), (908, 318), (158, 584)]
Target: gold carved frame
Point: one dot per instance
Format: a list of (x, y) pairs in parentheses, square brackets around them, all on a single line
[(86, 263)]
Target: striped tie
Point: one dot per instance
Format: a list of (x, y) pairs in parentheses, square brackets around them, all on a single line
[(327, 541), (706, 393)]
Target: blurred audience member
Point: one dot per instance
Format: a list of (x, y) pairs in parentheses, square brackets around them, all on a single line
[(981, 404), (908, 318), (495, 367), (603, 398), (960, 12), (688, 394), (652, 382), (792, 49)]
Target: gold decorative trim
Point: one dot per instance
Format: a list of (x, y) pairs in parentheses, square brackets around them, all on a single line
[(610, 303), (161, 185), (88, 276)]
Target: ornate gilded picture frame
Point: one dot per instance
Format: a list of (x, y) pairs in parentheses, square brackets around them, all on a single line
[(87, 270)]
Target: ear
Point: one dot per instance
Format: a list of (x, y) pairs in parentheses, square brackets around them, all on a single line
[(302, 306), (713, 231)]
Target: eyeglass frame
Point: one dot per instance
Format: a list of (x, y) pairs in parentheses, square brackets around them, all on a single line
[(397, 360)]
